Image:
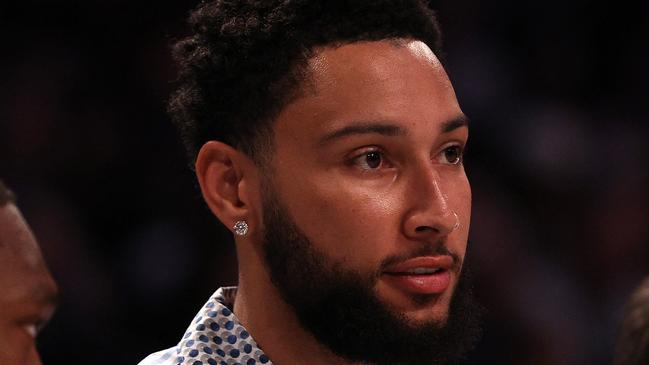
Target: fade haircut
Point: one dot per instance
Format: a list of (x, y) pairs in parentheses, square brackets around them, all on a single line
[(6, 196), (247, 59)]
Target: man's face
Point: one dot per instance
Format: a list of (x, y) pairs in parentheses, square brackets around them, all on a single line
[(28, 290), (369, 186)]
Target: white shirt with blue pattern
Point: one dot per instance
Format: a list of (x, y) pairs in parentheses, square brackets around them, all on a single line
[(215, 337)]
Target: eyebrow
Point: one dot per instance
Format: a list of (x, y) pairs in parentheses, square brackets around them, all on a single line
[(388, 129), (382, 128), (453, 124)]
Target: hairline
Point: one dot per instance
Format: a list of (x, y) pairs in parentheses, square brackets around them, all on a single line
[(261, 148)]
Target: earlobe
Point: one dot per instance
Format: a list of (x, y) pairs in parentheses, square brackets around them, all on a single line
[(221, 171)]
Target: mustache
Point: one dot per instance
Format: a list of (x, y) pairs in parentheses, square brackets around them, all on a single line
[(438, 248)]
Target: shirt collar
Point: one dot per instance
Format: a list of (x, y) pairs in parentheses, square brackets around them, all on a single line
[(217, 337)]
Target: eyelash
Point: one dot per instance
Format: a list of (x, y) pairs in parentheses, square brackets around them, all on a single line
[(32, 329), (357, 159), (460, 153)]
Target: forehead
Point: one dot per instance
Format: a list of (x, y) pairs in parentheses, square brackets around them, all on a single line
[(397, 80), (367, 60)]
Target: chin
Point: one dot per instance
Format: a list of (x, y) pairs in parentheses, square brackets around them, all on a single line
[(438, 314), (420, 308)]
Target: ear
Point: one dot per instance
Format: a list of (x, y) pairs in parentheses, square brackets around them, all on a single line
[(226, 177)]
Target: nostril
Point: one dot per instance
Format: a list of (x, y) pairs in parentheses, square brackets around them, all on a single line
[(422, 229)]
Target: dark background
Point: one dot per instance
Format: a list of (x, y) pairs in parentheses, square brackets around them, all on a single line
[(557, 94)]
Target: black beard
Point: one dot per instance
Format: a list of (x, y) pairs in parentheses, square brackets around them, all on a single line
[(339, 306)]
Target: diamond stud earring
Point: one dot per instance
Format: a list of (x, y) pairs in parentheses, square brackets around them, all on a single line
[(240, 228)]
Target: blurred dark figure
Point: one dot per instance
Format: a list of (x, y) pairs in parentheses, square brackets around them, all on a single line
[(633, 341), (28, 290)]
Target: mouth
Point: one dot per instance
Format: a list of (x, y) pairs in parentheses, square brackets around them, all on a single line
[(421, 275)]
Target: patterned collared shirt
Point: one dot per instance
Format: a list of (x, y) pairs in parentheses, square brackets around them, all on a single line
[(215, 337)]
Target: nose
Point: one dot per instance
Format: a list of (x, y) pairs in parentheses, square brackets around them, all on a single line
[(430, 216)]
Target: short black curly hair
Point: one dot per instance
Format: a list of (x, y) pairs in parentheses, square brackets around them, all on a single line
[(246, 59)]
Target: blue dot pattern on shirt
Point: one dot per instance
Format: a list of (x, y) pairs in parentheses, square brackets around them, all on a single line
[(216, 337)]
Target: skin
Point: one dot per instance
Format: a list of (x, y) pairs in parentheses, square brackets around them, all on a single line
[(28, 290), (391, 99)]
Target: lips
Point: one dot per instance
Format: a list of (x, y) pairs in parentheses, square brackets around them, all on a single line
[(421, 275)]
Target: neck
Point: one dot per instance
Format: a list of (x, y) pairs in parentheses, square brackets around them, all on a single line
[(272, 322)]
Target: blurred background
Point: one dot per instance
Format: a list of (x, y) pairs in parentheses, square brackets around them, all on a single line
[(557, 94)]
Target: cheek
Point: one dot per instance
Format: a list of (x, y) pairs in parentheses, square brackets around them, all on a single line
[(15, 345), (464, 201), (360, 223), (349, 222), (460, 201), (457, 190)]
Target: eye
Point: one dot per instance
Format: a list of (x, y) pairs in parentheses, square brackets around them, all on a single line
[(452, 155), (373, 159), (31, 329), (370, 160)]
